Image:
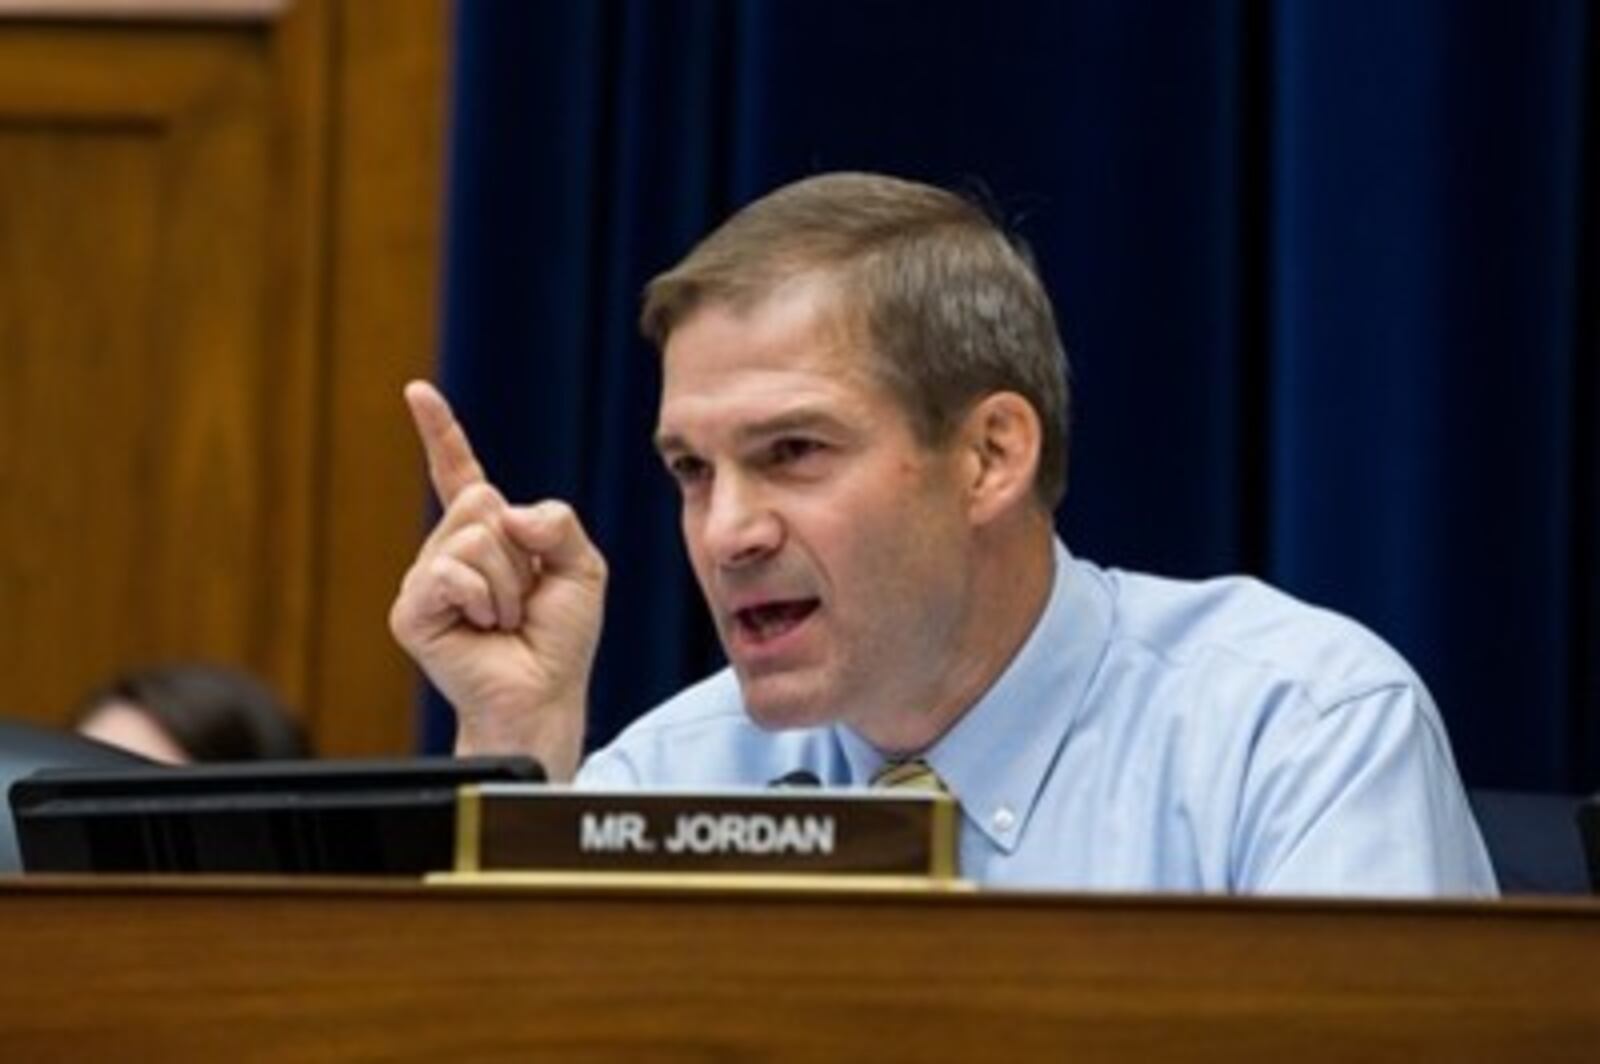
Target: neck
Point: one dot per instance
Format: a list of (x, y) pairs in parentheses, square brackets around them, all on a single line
[(1011, 580)]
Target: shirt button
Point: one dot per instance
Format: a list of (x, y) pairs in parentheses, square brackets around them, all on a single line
[(1003, 819)]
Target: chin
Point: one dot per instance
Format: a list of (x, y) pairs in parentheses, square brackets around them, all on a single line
[(779, 704)]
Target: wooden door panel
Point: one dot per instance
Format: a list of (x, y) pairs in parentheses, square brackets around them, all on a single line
[(190, 291), (132, 193)]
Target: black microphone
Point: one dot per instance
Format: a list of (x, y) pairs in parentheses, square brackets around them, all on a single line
[(800, 777)]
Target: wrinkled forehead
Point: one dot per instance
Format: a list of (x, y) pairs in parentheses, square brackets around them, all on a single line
[(724, 361), (802, 318), (822, 291)]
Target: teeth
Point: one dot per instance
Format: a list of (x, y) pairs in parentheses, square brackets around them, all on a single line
[(765, 622)]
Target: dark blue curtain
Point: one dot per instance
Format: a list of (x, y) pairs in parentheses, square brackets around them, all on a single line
[(1326, 271)]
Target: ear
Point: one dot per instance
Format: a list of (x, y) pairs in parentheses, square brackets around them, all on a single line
[(1001, 437)]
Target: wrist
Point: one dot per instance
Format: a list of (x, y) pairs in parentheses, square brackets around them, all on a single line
[(551, 733)]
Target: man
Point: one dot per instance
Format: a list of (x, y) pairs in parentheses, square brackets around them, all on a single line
[(864, 408)]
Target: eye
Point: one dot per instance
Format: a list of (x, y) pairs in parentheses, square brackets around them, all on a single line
[(688, 470), (788, 450)]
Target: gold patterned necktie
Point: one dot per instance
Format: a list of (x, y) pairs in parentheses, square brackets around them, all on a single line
[(915, 774)]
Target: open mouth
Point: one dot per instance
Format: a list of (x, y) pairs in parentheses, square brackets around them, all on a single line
[(768, 621)]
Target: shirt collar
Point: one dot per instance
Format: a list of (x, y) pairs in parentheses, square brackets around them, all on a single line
[(996, 756)]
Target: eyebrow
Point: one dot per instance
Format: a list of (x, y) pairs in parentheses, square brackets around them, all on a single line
[(801, 420)]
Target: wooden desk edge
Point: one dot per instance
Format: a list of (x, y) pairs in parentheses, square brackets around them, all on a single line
[(447, 886)]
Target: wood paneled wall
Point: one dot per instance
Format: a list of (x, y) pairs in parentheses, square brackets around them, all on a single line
[(219, 247)]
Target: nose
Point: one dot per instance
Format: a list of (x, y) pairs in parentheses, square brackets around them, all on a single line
[(738, 526)]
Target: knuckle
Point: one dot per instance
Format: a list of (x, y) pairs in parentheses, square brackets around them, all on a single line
[(397, 620), (472, 540), (474, 546), (556, 512), (409, 603), (477, 501)]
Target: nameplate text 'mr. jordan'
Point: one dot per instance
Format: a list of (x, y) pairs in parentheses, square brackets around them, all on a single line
[(540, 828)]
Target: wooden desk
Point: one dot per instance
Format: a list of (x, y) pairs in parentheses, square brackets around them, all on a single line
[(252, 970)]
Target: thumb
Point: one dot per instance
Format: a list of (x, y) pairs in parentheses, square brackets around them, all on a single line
[(552, 532)]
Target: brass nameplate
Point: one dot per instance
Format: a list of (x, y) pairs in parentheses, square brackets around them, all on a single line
[(544, 828)]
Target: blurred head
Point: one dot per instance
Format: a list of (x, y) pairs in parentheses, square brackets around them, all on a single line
[(184, 713), (946, 307)]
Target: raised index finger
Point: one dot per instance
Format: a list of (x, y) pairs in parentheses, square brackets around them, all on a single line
[(451, 464)]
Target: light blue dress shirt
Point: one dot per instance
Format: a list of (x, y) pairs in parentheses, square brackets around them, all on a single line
[(1151, 735)]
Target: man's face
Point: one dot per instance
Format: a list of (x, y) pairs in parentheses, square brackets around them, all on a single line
[(831, 545)]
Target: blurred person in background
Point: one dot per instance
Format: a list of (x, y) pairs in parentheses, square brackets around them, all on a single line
[(178, 714)]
